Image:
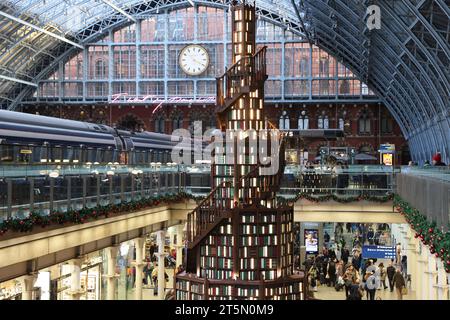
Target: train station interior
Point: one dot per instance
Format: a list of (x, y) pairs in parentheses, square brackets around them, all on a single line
[(224, 150)]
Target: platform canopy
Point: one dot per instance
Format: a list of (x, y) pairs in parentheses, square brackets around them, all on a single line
[(406, 62)]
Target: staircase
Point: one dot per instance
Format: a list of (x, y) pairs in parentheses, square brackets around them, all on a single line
[(219, 204), (241, 78)]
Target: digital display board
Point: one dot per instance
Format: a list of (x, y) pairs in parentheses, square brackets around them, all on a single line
[(378, 252), (311, 241)]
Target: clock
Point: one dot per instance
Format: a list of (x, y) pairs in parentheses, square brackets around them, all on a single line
[(194, 59)]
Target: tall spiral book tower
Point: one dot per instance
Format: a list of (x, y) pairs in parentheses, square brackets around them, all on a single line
[(239, 240)]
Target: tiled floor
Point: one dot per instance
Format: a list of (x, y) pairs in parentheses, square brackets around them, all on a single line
[(147, 291), (329, 293)]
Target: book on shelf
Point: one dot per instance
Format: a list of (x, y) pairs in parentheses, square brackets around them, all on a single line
[(249, 241), (267, 229), (248, 219), (248, 229), (224, 263), (247, 275), (271, 240), (208, 262), (268, 275), (247, 263), (267, 251), (225, 251)]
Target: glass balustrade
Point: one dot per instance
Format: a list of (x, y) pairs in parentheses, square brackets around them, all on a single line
[(43, 188)]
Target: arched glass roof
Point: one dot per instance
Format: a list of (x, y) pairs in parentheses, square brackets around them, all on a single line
[(406, 62)]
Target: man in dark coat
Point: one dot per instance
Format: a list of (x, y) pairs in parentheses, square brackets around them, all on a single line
[(390, 270)]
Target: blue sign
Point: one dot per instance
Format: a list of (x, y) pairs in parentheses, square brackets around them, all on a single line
[(387, 148), (378, 252)]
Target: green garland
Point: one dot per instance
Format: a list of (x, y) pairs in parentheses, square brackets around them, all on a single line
[(437, 240), (83, 215), (329, 197)]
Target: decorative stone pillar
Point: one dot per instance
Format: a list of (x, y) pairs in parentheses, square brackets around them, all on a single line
[(423, 263), (139, 243), (75, 290), (432, 274), (161, 268), (180, 244), (111, 255), (27, 284), (416, 281), (442, 286), (412, 260)]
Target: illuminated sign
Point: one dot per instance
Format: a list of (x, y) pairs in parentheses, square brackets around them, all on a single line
[(155, 99), (387, 159), (311, 241), (378, 252), (387, 148)]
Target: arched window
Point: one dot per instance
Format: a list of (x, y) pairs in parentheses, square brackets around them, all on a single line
[(304, 67), (323, 122), (177, 122), (364, 123), (284, 121), (386, 124), (341, 123), (100, 69), (344, 88), (159, 124), (324, 66), (303, 121)]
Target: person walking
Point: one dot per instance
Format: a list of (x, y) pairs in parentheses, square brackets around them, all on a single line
[(312, 274), (355, 291), (344, 255), (331, 270), (349, 278), (390, 271), (383, 274), (371, 284), (155, 279), (399, 283)]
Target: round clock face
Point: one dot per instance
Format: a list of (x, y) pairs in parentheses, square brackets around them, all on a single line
[(194, 60)]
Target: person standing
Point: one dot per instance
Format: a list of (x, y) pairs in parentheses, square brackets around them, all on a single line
[(382, 275), (398, 257), (344, 255), (399, 283), (390, 270), (326, 238), (437, 160), (371, 284), (349, 278), (155, 279), (331, 272)]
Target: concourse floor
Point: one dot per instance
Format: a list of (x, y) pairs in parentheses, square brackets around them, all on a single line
[(329, 293), (148, 290)]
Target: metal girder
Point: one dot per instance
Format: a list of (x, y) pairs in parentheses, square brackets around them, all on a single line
[(301, 21), (18, 80), (118, 9), (51, 34)]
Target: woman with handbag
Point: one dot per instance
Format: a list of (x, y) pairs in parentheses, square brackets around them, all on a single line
[(400, 285)]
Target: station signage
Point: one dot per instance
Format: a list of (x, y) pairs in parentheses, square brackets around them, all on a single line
[(387, 148), (378, 252)]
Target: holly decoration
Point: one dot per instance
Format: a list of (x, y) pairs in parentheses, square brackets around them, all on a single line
[(426, 231), (329, 197), (83, 215)]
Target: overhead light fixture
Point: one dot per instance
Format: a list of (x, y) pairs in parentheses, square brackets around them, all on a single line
[(53, 174)]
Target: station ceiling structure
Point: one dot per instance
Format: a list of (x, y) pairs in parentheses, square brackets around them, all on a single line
[(406, 62)]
